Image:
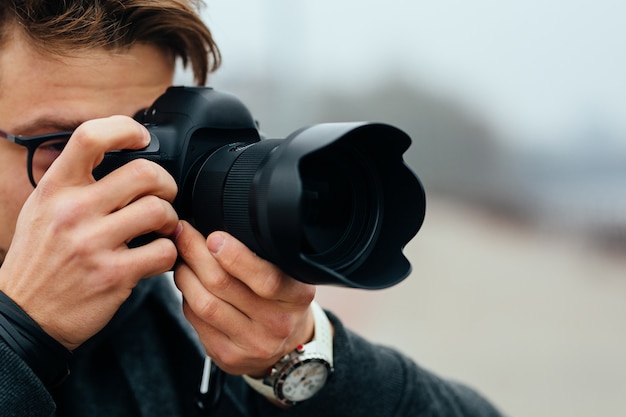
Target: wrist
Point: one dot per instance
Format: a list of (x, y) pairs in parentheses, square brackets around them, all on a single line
[(301, 373)]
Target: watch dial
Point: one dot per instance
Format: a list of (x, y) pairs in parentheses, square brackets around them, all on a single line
[(305, 380)]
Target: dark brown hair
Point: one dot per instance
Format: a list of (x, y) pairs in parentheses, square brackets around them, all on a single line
[(62, 27)]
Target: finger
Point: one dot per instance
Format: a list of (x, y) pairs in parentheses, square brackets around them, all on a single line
[(148, 214), (148, 260), (192, 248), (236, 342), (85, 149), (209, 273), (264, 278), (228, 356), (207, 306), (133, 180), (240, 347)]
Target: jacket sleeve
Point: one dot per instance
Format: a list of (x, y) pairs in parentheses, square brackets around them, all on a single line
[(22, 394), (372, 380)]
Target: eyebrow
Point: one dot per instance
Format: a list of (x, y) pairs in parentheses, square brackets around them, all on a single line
[(46, 125)]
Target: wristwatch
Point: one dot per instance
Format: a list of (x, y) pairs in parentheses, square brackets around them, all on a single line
[(300, 374)]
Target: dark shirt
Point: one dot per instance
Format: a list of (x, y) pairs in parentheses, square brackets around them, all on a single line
[(148, 362)]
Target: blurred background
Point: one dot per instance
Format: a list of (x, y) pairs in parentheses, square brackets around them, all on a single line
[(517, 110)]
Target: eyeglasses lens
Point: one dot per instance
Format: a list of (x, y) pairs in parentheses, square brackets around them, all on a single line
[(44, 155)]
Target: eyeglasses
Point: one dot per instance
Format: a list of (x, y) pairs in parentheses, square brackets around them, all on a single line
[(42, 151)]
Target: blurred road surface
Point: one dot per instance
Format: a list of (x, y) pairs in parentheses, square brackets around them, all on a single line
[(536, 322)]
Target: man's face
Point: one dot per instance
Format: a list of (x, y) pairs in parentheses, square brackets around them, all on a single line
[(41, 94)]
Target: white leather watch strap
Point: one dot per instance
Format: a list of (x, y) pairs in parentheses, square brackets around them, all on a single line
[(323, 333), (322, 343), (260, 387)]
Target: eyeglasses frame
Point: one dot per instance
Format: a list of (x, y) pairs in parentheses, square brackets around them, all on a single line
[(32, 143)]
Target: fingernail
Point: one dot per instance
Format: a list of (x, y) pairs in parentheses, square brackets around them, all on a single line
[(146, 135), (215, 243), (177, 231)]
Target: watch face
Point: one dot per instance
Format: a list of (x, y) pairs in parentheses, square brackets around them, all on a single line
[(304, 380)]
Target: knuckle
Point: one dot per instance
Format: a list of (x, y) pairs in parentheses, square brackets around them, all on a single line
[(67, 213), (230, 260), (168, 253), (219, 281), (164, 255), (229, 360), (82, 246), (120, 118), (236, 359), (86, 134), (145, 170), (207, 308), (263, 352), (306, 295), (283, 326), (153, 177), (271, 283), (84, 131), (103, 273), (110, 275), (156, 209)]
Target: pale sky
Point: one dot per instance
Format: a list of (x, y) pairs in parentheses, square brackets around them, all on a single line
[(536, 69)]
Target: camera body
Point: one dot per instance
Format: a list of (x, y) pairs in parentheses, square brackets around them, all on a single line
[(333, 203)]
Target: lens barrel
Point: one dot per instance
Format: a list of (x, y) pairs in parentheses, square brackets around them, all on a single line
[(330, 204)]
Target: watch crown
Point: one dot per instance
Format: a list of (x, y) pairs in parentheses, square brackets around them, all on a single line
[(300, 348)]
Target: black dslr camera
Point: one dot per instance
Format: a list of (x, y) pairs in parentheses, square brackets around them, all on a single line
[(332, 203)]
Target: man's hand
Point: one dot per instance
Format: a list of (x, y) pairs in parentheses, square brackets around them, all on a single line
[(247, 312), (69, 266)]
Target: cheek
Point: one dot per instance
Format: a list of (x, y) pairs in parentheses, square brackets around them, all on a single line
[(14, 190)]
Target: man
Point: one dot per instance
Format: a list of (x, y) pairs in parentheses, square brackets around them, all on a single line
[(75, 297)]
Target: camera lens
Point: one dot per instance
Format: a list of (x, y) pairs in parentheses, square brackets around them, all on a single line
[(339, 208), (328, 204)]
